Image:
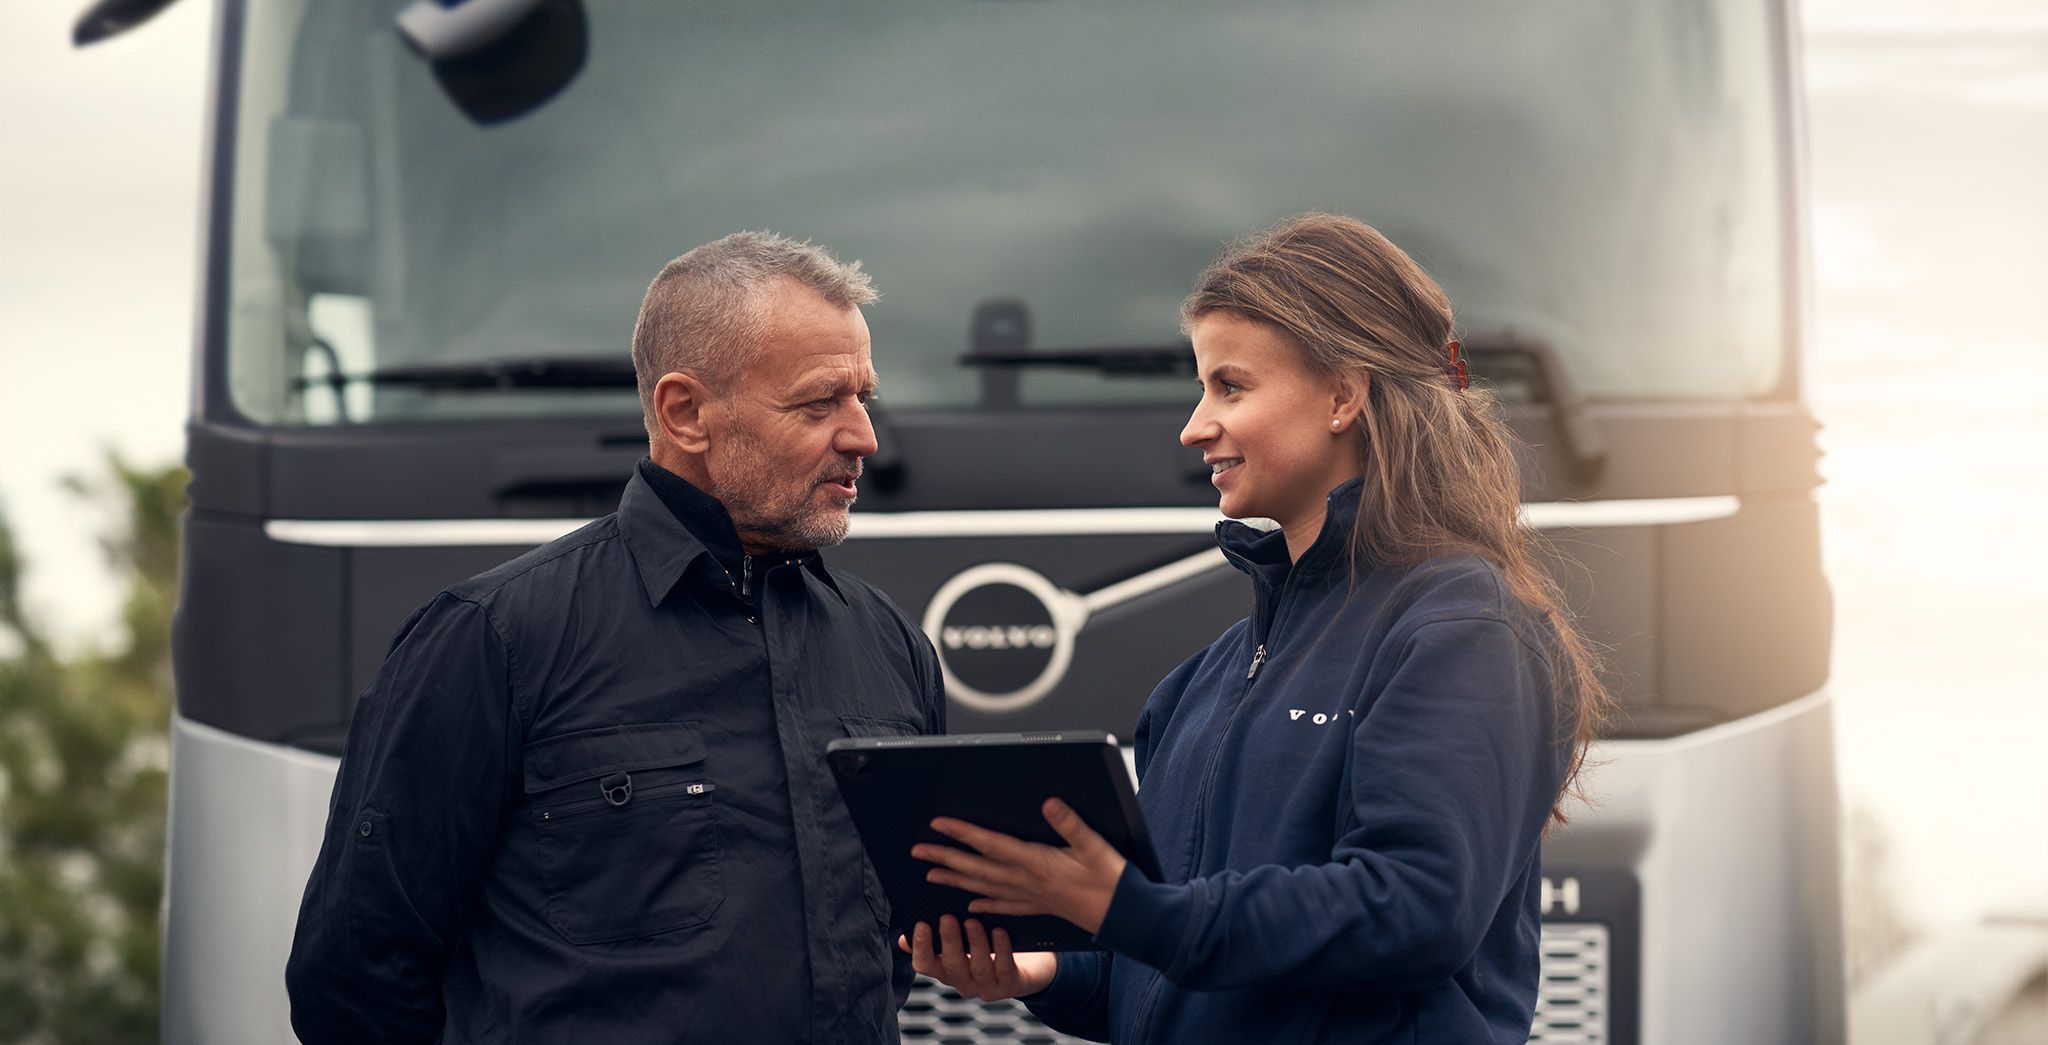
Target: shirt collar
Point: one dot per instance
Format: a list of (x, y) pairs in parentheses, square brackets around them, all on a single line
[(669, 524)]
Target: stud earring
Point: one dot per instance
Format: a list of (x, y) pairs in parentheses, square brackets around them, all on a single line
[(1337, 422)]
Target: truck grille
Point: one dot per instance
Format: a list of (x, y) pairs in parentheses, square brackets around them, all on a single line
[(1571, 1002), (937, 1015)]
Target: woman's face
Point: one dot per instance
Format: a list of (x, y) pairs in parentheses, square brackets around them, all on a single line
[(1276, 436)]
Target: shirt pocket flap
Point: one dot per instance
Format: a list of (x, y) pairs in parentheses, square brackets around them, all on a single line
[(591, 753)]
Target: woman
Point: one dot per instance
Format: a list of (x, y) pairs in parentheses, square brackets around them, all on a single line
[(1348, 789)]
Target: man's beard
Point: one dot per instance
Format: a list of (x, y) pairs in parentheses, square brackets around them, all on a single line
[(773, 509)]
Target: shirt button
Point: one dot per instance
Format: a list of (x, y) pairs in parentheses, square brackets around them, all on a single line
[(363, 829)]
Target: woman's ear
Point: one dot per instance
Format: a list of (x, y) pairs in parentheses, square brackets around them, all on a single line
[(1347, 399), (680, 404)]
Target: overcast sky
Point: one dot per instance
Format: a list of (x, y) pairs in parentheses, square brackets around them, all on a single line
[(1929, 130)]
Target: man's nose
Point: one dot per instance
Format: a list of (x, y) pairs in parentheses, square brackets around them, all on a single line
[(858, 436)]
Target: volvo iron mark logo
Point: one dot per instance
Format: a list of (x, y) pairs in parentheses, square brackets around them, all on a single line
[(1005, 635)]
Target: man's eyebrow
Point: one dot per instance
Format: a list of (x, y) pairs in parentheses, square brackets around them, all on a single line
[(828, 386)]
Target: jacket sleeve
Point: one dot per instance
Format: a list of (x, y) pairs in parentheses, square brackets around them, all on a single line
[(411, 828), (1077, 1000), (1454, 768)]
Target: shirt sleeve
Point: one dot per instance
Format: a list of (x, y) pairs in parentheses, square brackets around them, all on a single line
[(901, 975), (1455, 766), (411, 829)]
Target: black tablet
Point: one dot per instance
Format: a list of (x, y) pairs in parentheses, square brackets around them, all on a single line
[(894, 786)]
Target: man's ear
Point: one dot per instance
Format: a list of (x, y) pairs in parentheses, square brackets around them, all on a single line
[(681, 403)]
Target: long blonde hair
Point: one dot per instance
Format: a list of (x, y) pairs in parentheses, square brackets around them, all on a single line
[(1440, 474)]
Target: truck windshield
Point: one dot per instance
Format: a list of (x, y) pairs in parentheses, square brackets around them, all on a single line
[(1603, 178)]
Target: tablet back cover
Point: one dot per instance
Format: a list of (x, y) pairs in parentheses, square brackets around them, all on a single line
[(894, 787)]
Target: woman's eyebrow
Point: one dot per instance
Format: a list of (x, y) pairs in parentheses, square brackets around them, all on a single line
[(1228, 372)]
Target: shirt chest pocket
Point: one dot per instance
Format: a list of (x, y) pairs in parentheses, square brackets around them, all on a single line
[(627, 828)]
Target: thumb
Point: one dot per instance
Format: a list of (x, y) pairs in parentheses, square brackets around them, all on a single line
[(1071, 827)]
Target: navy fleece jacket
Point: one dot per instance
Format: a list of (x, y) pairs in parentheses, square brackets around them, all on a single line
[(1347, 792)]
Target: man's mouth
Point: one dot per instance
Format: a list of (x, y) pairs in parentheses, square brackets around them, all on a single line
[(1220, 465), (845, 484)]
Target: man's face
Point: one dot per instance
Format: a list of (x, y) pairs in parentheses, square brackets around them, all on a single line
[(795, 426)]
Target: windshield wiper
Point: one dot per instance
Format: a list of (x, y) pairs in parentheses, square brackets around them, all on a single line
[(494, 375), (1117, 360), (999, 344), (1517, 366)]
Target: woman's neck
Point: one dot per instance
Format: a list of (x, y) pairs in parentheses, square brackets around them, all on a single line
[(1301, 533)]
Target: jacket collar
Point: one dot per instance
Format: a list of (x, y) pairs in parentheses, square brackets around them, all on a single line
[(669, 524), (1263, 553)]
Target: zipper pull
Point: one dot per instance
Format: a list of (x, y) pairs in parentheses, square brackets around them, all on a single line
[(1258, 658)]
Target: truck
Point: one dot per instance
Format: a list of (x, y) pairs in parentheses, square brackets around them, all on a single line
[(428, 225)]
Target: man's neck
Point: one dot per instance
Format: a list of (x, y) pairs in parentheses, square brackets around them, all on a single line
[(699, 512)]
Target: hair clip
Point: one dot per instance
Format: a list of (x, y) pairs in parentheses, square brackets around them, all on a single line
[(1456, 371)]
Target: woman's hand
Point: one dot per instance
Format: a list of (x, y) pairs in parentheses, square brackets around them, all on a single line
[(1016, 877), (978, 969)]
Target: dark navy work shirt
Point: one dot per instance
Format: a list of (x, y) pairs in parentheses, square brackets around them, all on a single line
[(586, 800)]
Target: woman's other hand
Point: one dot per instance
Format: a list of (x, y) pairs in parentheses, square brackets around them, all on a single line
[(978, 967), (1015, 877)]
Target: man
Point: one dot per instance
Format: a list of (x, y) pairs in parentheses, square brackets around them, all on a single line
[(585, 799)]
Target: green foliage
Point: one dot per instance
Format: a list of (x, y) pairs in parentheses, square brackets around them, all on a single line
[(83, 758)]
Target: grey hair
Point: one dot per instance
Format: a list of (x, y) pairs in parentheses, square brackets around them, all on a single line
[(704, 315)]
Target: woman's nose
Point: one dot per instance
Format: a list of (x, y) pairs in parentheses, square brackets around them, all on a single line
[(1198, 430)]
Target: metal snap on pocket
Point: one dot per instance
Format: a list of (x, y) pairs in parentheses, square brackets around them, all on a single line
[(617, 788)]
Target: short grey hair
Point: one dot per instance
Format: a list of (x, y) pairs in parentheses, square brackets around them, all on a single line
[(704, 313)]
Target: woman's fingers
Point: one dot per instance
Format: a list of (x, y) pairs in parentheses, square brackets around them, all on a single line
[(952, 953), (968, 883), (921, 957), (988, 906), (969, 864), (1004, 961), (971, 959), (980, 965), (992, 843)]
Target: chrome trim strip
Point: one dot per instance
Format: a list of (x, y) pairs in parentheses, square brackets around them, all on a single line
[(416, 533)]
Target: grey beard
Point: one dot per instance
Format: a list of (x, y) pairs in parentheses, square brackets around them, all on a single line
[(802, 531), (791, 523)]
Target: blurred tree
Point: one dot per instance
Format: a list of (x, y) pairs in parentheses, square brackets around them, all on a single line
[(83, 757)]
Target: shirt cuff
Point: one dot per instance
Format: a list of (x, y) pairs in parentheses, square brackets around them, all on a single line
[(1147, 921)]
